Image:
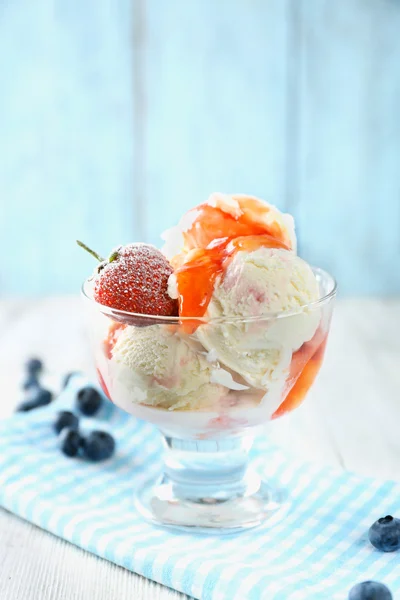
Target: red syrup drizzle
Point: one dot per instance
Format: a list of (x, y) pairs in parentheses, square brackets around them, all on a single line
[(103, 383), (304, 368), (109, 342), (196, 277)]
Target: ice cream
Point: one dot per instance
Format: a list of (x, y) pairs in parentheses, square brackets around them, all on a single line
[(164, 369), (265, 281), (249, 338)]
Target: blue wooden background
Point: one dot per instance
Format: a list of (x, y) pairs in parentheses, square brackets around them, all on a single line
[(117, 115)]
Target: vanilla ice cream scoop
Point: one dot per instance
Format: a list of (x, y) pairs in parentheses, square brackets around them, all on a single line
[(163, 369), (267, 280)]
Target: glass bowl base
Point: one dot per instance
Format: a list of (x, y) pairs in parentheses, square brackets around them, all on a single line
[(211, 511)]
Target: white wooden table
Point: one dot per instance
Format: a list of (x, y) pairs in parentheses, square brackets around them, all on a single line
[(351, 419)]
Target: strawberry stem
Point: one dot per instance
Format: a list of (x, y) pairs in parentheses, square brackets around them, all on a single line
[(113, 256), (92, 252)]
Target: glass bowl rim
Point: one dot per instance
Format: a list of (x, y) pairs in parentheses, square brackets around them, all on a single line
[(155, 319)]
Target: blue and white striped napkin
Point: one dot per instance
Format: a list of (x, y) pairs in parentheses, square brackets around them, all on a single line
[(317, 552)]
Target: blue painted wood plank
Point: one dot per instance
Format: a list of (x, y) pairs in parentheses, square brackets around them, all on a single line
[(348, 209), (116, 116), (66, 138), (216, 103)]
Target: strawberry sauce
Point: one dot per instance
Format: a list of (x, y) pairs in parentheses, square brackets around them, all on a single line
[(304, 368), (196, 277), (212, 223), (213, 238), (109, 342), (103, 384)]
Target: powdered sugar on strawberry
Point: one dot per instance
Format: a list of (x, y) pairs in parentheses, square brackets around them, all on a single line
[(136, 280)]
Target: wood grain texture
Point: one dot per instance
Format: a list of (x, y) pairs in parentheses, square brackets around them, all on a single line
[(348, 211), (350, 420), (67, 125), (216, 112), (116, 116)]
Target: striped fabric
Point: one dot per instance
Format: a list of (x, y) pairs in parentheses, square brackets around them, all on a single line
[(319, 551)]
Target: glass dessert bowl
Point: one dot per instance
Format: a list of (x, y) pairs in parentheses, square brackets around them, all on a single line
[(208, 384)]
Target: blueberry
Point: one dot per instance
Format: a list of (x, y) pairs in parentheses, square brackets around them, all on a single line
[(27, 406), (30, 381), (65, 418), (370, 590), (34, 366), (99, 445), (70, 441), (89, 401), (67, 378), (384, 534), (37, 397), (40, 396)]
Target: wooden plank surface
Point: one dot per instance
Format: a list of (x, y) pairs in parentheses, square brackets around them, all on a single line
[(216, 77), (348, 211), (66, 143), (350, 420), (119, 115)]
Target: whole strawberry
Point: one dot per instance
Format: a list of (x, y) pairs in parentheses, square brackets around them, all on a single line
[(135, 279)]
